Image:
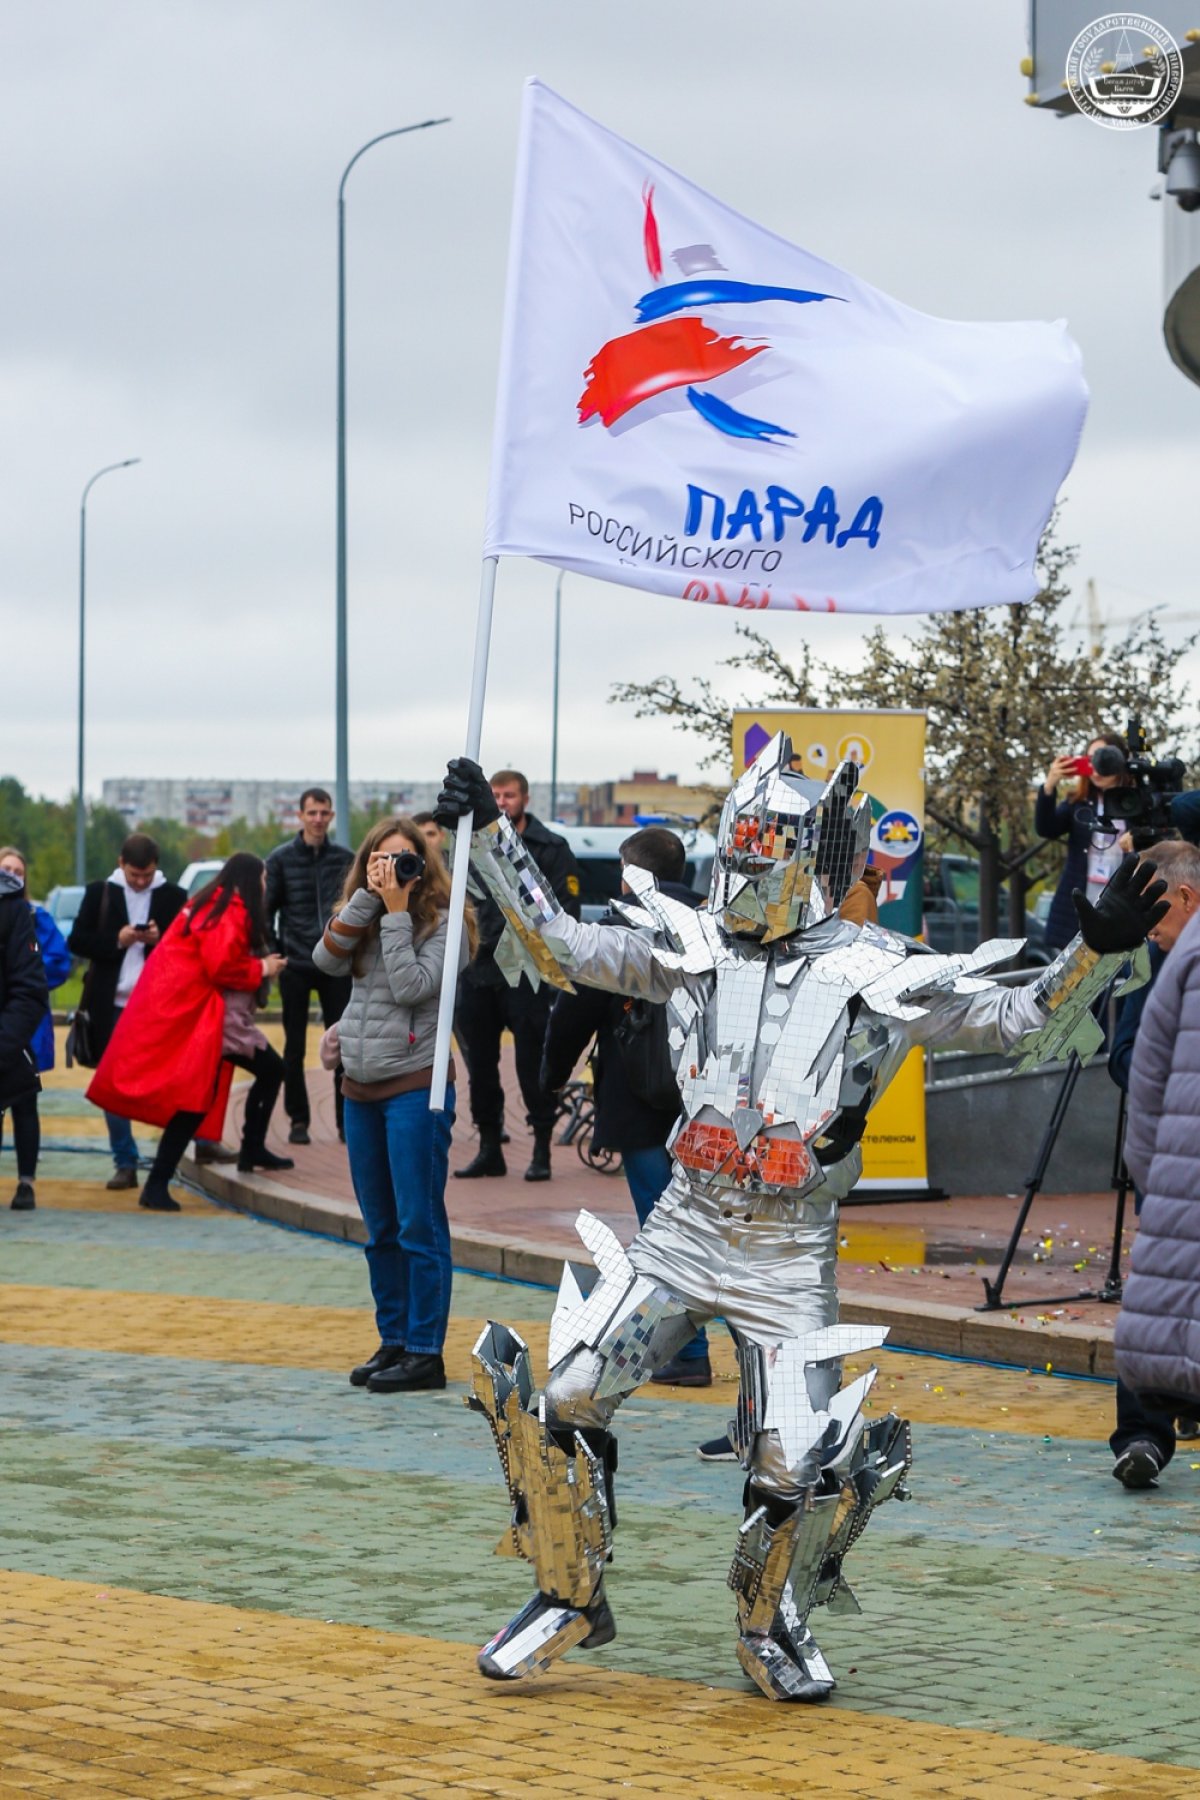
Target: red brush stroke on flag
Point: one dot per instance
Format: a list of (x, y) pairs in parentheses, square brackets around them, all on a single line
[(650, 241), (673, 353)]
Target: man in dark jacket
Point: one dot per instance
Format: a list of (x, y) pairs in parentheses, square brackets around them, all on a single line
[(118, 924), (487, 1004), (626, 1120), (1144, 1440), (24, 995), (305, 877)]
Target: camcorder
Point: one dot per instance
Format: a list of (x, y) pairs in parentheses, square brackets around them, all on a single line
[(408, 865), (1144, 801)]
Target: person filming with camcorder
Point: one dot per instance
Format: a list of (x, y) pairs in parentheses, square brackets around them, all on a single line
[(1120, 800), (388, 937)]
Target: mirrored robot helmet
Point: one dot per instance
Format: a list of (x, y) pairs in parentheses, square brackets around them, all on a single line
[(789, 849)]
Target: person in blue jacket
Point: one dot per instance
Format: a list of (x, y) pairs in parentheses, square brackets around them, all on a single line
[(56, 961)]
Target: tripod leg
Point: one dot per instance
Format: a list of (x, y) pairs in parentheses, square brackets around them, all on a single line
[(995, 1289)]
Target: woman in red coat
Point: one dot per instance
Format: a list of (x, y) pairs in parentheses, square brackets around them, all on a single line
[(190, 1015)]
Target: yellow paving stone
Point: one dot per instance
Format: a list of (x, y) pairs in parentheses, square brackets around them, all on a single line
[(399, 1715), (60, 1195), (924, 1389)]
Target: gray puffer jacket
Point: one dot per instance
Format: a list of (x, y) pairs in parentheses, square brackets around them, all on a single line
[(388, 1028), (1158, 1332)]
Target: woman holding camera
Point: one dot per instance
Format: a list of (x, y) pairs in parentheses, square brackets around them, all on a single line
[(1093, 851), (189, 1020), (389, 936)]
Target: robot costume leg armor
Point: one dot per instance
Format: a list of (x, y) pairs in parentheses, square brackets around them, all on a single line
[(558, 1455), (560, 1484), (816, 1473), (816, 1470)]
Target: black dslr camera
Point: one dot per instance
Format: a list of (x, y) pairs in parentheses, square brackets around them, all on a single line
[(1145, 802), (408, 865)]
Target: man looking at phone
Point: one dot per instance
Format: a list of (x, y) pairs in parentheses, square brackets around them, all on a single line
[(117, 927)]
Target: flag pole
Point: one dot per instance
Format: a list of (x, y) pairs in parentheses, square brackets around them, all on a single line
[(462, 841)]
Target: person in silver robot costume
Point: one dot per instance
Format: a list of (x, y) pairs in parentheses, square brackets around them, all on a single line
[(787, 1023)]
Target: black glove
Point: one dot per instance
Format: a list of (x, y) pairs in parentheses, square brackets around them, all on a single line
[(466, 789), (1128, 908)]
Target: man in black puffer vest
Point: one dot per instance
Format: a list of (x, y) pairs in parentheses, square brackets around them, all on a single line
[(304, 883)]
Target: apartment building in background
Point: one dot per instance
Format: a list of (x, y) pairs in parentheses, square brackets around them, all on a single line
[(208, 805)]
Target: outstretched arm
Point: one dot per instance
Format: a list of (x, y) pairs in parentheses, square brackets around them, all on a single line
[(541, 939), (1053, 1017)]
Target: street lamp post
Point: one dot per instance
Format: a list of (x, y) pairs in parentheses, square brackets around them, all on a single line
[(342, 782), (80, 818), (554, 714)]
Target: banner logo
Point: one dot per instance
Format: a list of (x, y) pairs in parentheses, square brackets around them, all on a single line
[(676, 348), (1124, 71)]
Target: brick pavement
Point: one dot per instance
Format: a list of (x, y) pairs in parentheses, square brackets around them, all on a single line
[(244, 1577)]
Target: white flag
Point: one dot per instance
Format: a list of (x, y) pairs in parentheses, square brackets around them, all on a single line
[(690, 404)]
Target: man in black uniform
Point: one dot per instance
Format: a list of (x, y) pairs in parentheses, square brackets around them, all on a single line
[(486, 1003), (304, 883)]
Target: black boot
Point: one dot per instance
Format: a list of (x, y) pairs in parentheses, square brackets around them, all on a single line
[(157, 1197), (383, 1358), (488, 1160), (257, 1156), (539, 1162), (411, 1373)]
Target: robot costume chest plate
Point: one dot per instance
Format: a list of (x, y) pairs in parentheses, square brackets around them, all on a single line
[(780, 1049), (768, 1060)]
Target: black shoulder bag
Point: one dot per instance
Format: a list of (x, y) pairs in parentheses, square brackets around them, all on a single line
[(82, 1047)]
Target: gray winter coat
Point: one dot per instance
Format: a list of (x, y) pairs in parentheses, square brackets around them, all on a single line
[(1158, 1332), (390, 1023)]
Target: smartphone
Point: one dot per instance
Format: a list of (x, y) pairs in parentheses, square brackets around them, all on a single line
[(1081, 765)]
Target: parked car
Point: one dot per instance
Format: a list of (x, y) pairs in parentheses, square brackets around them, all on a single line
[(952, 913), (597, 850), (199, 874), (63, 903)]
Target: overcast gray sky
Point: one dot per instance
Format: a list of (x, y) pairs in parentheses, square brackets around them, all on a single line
[(169, 189)]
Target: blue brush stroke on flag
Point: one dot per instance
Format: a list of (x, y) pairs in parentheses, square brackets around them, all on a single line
[(682, 294), (733, 423)]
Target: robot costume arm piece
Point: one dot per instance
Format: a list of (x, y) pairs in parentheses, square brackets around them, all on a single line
[(542, 941), (946, 1002), (1042, 1022)]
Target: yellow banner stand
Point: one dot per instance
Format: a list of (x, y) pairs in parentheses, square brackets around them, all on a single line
[(889, 747)]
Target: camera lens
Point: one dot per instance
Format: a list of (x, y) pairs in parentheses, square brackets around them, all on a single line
[(408, 865)]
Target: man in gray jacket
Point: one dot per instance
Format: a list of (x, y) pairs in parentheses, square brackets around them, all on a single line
[(1158, 1332)]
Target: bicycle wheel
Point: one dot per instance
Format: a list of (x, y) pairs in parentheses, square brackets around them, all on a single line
[(607, 1162)]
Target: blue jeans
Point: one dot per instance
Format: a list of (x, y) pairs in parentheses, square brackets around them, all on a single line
[(121, 1141), (647, 1173), (399, 1156)]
